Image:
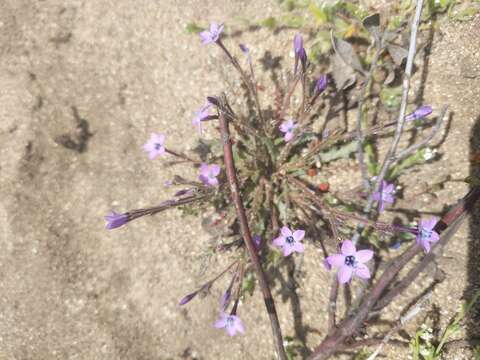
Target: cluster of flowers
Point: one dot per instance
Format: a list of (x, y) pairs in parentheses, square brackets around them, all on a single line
[(348, 262)]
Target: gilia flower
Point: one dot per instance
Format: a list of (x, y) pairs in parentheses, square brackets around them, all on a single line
[(212, 35), (289, 241), (201, 115), (231, 323), (350, 262), (426, 234), (287, 127), (115, 220), (321, 84), (384, 195), (155, 146), (420, 113), (209, 173)]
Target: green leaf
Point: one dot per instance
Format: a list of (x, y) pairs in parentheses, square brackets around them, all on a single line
[(318, 13), (193, 28), (338, 152), (269, 23)]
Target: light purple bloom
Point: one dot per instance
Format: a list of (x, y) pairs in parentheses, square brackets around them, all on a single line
[(289, 241), (155, 146), (212, 35), (115, 220), (287, 127), (231, 323), (321, 84), (350, 262), (420, 113), (384, 195), (209, 173), (201, 115), (297, 44), (426, 235)]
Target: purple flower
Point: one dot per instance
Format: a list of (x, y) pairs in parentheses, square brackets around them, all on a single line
[(321, 84), (287, 127), (201, 115), (155, 146), (420, 113), (426, 234), (115, 220), (212, 35), (350, 262), (231, 323), (384, 195), (257, 241), (289, 241), (188, 297), (297, 44), (209, 173)]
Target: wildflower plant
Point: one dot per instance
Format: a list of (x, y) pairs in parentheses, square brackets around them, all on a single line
[(259, 189)]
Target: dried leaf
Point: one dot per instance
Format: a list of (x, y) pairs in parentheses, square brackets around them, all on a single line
[(397, 53), (343, 75), (372, 24), (346, 53)]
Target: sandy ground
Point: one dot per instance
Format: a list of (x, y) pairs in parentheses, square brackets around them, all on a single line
[(69, 289)]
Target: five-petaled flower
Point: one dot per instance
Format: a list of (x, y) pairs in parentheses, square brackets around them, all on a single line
[(200, 116), (426, 234), (289, 241), (384, 195), (155, 146), (212, 35), (288, 127), (350, 262), (231, 323), (208, 174), (420, 113), (115, 220)]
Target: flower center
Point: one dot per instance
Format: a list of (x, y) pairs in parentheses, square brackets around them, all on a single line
[(350, 260), (158, 146), (425, 234), (289, 239), (230, 321)]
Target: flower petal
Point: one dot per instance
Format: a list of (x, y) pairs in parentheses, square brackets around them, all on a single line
[(336, 260), (287, 250), (279, 241), (215, 169), (231, 330), (298, 235), (286, 231), (288, 136), (435, 237), (362, 271), (298, 247), (364, 255), (239, 325), (348, 248), (222, 322), (344, 274), (426, 246)]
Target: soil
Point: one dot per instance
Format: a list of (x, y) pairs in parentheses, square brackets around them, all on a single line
[(83, 84)]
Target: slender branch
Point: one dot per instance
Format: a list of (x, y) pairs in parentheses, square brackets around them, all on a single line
[(358, 120), (401, 117), (181, 156), (247, 237)]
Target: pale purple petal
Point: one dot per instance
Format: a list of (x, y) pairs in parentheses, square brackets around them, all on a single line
[(204, 169), (364, 255), (279, 241), (298, 235), (344, 274), (362, 271), (288, 136), (429, 224), (388, 188), (298, 247), (239, 325), (435, 237), (286, 126), (348, 248), (287, 250), (336, 260), (388, 198), (206, 37), (212, 181), (285, 231), (426, 246), (231, 330), (222, 322), (215, 170)]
